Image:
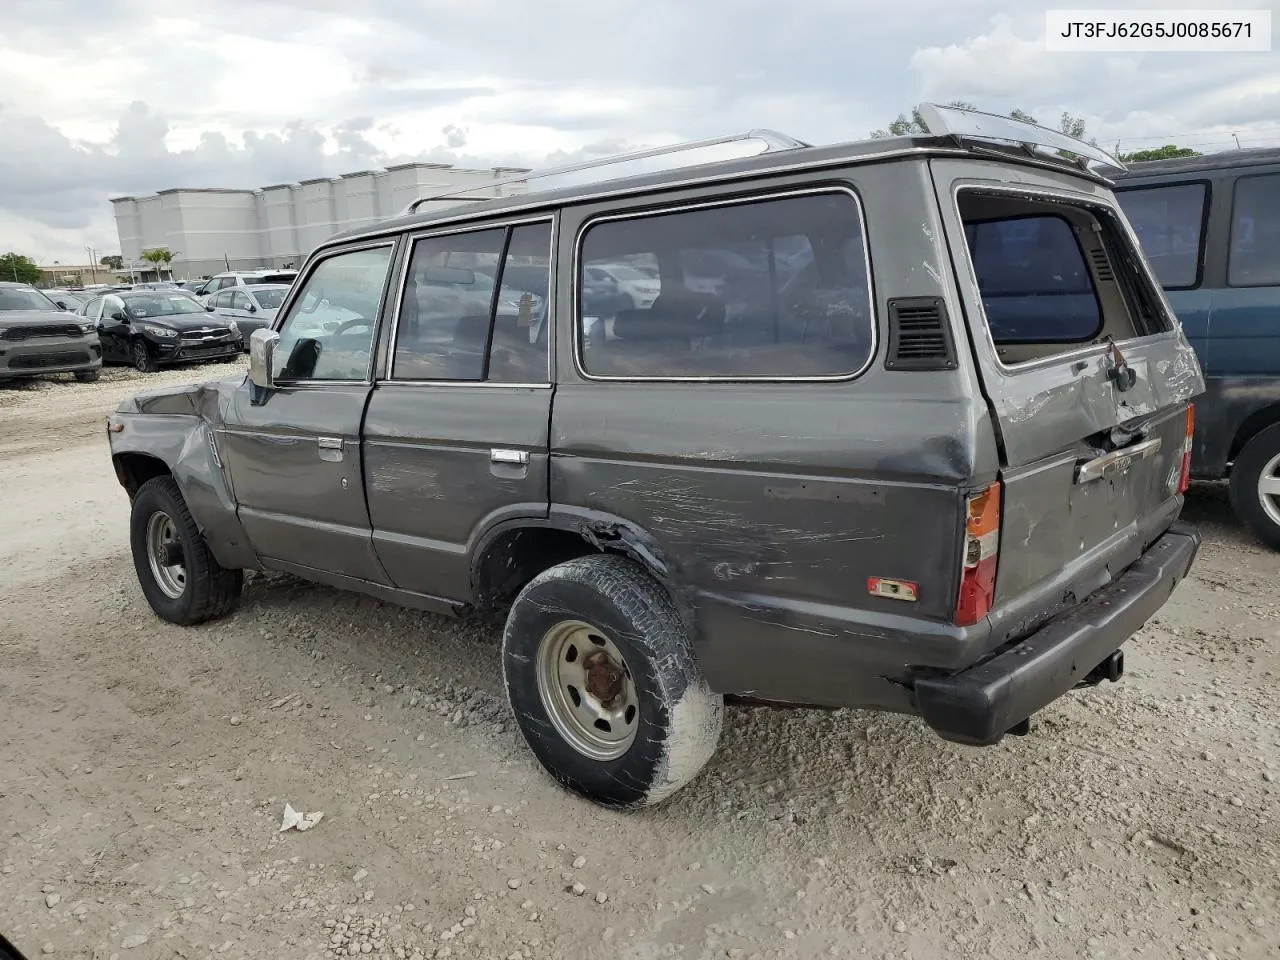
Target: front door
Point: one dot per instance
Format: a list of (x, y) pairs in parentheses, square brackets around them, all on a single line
[(114, 329), (296, 459), (456, 435)]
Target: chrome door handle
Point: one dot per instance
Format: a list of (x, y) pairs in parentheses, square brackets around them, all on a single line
[(330, 443), (519, 458)]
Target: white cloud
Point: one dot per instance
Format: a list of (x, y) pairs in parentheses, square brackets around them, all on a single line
[(101, 97)]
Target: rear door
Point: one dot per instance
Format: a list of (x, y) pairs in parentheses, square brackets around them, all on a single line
[(1087, 374), (456, 434)]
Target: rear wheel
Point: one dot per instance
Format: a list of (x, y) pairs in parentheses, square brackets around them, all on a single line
[(141, 356), (179, 576), (603, 683), (1255, 486)]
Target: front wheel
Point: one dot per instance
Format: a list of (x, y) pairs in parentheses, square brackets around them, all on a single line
[(179, 576), (142, 360), (603, 683), (1255, 486)]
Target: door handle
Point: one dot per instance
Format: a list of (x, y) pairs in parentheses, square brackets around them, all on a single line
[(330, 448), (519, 458)]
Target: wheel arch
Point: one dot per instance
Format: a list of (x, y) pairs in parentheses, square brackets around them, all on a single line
[(508, 554), (1251, 426)]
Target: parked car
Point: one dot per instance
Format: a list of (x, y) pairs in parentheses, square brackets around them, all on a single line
[(248, 308), (1210, 227), (240, 278), (37, 336), (151, 328), (902, 483), (65, 299)]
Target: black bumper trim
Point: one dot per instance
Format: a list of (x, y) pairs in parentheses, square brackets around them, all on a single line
[(979, 705)]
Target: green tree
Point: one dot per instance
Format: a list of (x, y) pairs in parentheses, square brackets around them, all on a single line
[(1022, 115), (160, 257), (1167, 152), (19, 269), (112, 261)]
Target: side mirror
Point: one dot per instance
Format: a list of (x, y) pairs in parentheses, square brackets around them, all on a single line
[(120, 316), (209, 307), (252, 308), (64, 305), (262, 354)]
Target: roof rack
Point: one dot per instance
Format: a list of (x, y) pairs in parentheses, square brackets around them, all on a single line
[(966, 125), (692, 153)]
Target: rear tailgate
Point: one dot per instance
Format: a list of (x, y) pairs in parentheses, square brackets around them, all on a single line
[(1086, 371)]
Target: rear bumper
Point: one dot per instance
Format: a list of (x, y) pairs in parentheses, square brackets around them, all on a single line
[(979, 705)]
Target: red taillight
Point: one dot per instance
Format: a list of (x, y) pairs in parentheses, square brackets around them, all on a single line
[(981, 550), (1184, 477)]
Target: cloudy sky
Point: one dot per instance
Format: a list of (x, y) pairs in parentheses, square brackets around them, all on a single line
[(107, 97)]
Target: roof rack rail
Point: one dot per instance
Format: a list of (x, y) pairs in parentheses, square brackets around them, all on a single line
[(966, 125), (716, 149)]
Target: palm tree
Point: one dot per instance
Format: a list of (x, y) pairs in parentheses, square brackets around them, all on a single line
[(160, 257)]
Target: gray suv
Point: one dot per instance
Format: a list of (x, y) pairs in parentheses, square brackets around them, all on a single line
[(38, 336), (906, 427)]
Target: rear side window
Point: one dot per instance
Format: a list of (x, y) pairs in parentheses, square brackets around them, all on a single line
[(475, 307), (1254, 258), (1169, 222), (768, 289), (1034, 281)]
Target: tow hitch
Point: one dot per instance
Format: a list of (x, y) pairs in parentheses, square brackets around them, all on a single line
[(1111, 669)]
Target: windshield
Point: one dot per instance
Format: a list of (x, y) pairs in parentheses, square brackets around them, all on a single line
[(163, 306), (18, 299), (270, 299)]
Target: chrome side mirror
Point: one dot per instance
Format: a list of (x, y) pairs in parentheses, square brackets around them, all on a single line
[(262, 354)]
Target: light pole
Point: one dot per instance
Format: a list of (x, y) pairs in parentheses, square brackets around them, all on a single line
[(93, 264)]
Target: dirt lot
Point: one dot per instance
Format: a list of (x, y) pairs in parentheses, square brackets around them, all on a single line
[(146, 767)]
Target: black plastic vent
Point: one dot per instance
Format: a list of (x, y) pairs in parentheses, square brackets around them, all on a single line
[(1101, 265), (919, 335)]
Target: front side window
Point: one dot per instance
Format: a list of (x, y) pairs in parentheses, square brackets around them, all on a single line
[(770, 289), (475, 307), (270, 299), (328, 332), (92, 309), (1254, 256), (1169, 223), (239, 301), (1033, 279)]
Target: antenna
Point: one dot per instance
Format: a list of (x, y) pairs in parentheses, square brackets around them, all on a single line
[(692, 153)]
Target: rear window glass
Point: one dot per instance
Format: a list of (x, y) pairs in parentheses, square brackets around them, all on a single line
[(1169, 224), (768, 289), (1255, 233), (1033, 279)]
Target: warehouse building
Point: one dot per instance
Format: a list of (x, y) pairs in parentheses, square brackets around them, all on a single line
[(211, 229)]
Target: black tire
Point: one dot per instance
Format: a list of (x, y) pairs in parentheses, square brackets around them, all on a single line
[(88, 376), (1246, 474), (678, 718), (143, 362), (208, 590)]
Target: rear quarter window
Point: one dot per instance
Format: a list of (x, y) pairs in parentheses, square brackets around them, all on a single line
[(772, 288)]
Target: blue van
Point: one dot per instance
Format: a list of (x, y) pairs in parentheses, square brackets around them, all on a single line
[(1210, 227)]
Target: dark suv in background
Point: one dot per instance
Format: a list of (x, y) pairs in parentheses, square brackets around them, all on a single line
[(37, 336), (1210, 227)]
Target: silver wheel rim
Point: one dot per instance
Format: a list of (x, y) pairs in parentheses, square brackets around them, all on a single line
[(162, 535), (1269, 489), (139, 356), (587, 690)]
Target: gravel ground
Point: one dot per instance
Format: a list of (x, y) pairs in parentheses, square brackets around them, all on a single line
[(146, 770)]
